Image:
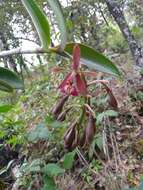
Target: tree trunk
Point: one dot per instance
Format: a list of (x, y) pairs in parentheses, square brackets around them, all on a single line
[(117, 13)]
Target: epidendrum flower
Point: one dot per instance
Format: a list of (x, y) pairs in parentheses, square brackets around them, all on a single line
[(74, 83)]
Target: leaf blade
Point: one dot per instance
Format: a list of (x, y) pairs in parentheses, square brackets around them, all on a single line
[(5, 108), (68, 160), (9, 80), (93, 59), (49, 183), (56, 7), (53, 170), (40, 22)]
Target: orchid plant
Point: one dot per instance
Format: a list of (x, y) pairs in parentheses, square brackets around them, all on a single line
[(75, 84)]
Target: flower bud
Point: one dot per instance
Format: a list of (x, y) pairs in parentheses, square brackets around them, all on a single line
[(82, 139), (112, 100), (58, 107), (69, 136), (90, 129), (75, 142), (62, 116)]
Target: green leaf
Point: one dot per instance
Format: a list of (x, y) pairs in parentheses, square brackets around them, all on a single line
[(49, 183), (9, 80), (40, 132), (108, 113), (56, 7), (5, 87), (68, 160), (94, 60), (34, 166), (99, 141), (40, 22), (53, 170), (5, 108)]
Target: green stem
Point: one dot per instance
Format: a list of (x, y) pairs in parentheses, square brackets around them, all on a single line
[(82, 114)]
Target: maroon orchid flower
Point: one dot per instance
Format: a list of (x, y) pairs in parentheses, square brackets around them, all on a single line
[(74, 84)]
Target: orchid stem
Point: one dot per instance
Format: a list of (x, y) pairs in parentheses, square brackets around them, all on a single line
[(97, 81)]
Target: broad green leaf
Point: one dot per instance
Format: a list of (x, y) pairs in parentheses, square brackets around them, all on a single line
[(40, 132), (49, 183), (94, 60), (53, 123), (5, 108), (53, 170), (40, 21), (9, 80), (108, 113), (56, 7), (68, 160)]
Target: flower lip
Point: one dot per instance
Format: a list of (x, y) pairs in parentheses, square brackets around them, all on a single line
[(67, 86)]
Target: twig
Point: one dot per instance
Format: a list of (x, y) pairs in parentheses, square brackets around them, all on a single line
[(104, 18), (97, 81), (84, 160), (21, 38), (105, 142), (89, 109), (22, 51), (114, 152)]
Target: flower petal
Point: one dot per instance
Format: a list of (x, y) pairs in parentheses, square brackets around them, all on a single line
[(74, 91), (76, 57), (64, 83), (81, 84)]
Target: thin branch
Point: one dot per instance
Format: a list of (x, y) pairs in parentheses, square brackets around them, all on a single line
[(21, 38), (104, 18), (22, 51), (97, 81)]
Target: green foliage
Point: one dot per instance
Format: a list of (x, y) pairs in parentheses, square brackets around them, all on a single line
[(12, 131), (49, 183), (35, 104), (115, 40), (56, 7), (5, 108), (136, 95), (9, 80), (136, 188), (99, 141), (89, 57), (137, 31), (94, 60), (108, 113), (53, 170), (40, 21), (34, 166), (40, 132), (68, 160)]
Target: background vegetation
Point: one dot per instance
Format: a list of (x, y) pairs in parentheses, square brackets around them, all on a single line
[(32, 150)]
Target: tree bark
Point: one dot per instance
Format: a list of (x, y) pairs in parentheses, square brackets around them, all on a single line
[(117, 13)]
